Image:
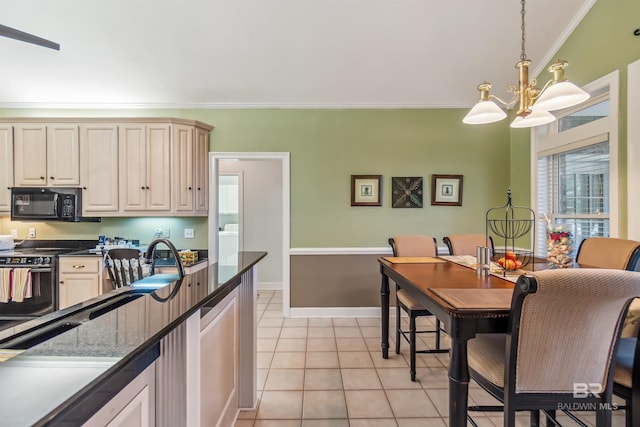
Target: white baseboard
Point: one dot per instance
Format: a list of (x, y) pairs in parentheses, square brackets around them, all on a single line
[(269, 286), (338, 312)]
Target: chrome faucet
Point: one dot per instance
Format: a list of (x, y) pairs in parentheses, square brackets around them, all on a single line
[(151, 256)]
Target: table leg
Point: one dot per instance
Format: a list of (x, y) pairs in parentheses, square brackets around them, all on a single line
[(384, 305), (458, 383)]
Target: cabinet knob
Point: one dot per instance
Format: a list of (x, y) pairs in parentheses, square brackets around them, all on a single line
[(51, 177), (142, 188), (78, 266), (42, 177), (61, 282), (147, 188), (198, 188), (189, 188), (84, 188)]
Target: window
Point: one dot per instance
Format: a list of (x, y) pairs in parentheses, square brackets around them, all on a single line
[(574, 163)]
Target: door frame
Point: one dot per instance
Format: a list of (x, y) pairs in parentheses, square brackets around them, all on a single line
[(283, 157)]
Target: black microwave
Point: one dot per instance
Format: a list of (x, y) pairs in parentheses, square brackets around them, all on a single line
[(46, 204)]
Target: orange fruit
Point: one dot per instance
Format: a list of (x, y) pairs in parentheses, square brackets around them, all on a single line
[(509, 264), (510, 255)]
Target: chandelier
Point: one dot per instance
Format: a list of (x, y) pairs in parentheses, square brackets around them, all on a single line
[(533, 104)]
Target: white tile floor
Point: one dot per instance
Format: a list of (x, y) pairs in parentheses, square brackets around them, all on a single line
[(330, 373)]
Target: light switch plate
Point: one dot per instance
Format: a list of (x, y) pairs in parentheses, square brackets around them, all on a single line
[(14, 233), (189, 233), (32, 233)]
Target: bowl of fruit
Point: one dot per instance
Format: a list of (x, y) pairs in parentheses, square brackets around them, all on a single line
[(512, 260)]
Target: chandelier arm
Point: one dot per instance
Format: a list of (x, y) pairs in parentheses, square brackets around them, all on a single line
[(495, 98), (535, 95)]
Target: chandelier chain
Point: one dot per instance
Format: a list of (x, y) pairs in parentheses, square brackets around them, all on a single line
[(523, 55)]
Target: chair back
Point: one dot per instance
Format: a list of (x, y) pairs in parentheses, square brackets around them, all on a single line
[(609, 252), (564, 328), (413, 246), (466, 244), (123, 266)]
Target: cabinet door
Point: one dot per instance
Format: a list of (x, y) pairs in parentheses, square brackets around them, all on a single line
[(99, 168), (63, 155), (132, 156), (30, 155), (202, 170), (76, 288), (183, 167), (6, 167), (158, 192)]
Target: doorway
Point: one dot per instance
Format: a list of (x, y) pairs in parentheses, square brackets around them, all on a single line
[(263, 213)]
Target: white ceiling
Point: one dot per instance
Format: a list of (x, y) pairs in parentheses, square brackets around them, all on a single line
[(273, 53)]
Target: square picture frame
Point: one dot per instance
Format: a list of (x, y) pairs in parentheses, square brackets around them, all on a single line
[(366, 190), (406, 192), (446, 190)]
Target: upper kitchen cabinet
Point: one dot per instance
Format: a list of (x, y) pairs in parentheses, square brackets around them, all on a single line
[(99, 168), (145, 159), (190, 161), (6, 166), (46, 155), (125, 166)]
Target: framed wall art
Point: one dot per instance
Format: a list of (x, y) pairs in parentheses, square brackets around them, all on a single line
[(366, 190), (406, 192), (446, 190)]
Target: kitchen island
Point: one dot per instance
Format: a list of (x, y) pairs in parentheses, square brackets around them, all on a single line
[(183, 354)]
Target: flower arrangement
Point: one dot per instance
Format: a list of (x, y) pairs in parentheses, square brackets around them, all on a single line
[(559, 246)]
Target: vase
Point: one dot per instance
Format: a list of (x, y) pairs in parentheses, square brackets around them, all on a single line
[(560, 252)]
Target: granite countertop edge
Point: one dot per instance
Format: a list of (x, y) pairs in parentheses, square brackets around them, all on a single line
[(67, 410)]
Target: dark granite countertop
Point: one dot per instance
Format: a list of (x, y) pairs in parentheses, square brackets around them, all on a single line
[(65, 379)]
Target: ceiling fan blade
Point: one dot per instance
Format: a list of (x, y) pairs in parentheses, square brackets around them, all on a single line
[(12, 33)]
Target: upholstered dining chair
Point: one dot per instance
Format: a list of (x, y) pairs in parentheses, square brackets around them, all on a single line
[(609, 252), (413, 246), (123, 266), (626, 379), (466, 244), (563, 331)]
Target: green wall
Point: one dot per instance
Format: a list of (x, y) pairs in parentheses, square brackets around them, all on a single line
[(602, 43), (327, 147)]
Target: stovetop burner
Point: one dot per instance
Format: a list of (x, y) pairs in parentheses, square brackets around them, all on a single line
[(40, 253)]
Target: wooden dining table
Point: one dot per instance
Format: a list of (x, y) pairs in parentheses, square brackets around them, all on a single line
[(466, 303)]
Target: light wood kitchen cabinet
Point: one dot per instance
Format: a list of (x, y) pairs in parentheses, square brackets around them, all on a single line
[(144, 162), (183, 170), (125, 166), (99, 168), (202, 170), (79, 279), (46, 155), (134, 406), (219, 363), (6, 167)]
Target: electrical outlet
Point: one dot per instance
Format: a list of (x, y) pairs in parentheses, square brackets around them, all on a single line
[(14, 233), (32, 233), (163, 233), (189, 233)]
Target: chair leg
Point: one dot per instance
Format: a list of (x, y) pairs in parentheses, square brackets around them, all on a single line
[(551, 416), (437, 334), (509, 415), (534, 418), (398, 323), (412, 344)]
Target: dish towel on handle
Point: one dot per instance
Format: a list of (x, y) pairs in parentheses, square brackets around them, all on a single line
[(21, 284), (5, 284)]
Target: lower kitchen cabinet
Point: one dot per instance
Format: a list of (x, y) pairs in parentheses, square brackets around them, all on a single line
[(134, 406), (79, 279)]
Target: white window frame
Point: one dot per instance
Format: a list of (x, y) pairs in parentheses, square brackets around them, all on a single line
[(633, 150), (581, 136)]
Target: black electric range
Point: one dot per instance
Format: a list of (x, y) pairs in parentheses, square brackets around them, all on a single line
[(37, 259)]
